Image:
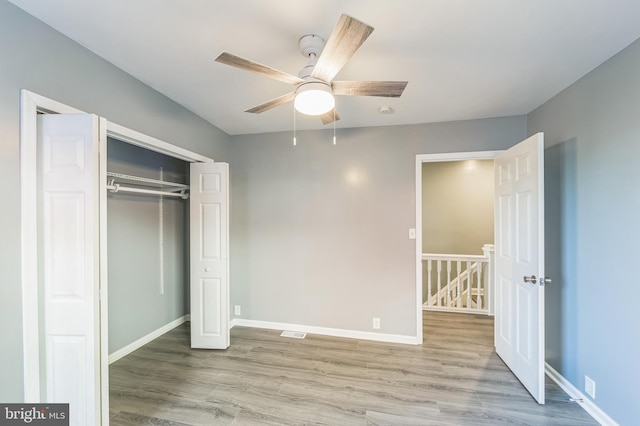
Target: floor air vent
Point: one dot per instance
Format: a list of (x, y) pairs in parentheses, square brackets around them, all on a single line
[(294, 334)]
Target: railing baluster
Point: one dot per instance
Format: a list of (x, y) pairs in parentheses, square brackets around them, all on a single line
[(480, 286), (469, 285), (448, 283), (458, 293), (439, 281), (429, 282)]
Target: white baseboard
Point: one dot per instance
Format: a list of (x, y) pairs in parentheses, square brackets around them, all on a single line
[(587, 404), (145, 339), (326, 331)]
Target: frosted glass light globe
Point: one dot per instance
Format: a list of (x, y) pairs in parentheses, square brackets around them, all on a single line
[(314, 98)]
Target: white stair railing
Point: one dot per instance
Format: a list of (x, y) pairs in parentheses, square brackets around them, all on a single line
[(458, 282), (457, 289)]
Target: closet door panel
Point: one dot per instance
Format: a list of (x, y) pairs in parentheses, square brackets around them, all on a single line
[(209, 243), (69, 227)]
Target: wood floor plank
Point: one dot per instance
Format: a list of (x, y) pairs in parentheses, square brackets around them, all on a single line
[(454, 378), (131, 419), (377, 418)]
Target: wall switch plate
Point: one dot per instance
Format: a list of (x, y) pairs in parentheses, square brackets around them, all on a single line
[(590, 386), (237, 310), (412, 233), (376, 323)]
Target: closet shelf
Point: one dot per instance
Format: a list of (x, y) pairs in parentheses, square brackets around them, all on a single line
[(160, 187)]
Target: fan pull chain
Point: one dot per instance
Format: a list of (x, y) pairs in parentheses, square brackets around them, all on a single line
[(334, 125), (294, 126)]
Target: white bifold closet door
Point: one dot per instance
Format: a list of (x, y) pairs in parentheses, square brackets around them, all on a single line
[(70, 260), (209, 243)]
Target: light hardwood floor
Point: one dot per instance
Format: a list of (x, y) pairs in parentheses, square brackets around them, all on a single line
[(454, 378)]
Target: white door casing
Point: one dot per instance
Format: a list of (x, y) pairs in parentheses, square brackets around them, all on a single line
[(519, 241), (209, 245), (103, 295), (70, 233)]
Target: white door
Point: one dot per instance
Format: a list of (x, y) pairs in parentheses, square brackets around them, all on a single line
[(209, 235), (69, 197), (519, 240)]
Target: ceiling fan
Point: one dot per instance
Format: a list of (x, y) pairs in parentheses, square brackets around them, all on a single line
[(315, 88)]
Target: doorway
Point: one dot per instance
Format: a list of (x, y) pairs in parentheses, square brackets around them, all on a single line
[(420, 161), (458, 233)]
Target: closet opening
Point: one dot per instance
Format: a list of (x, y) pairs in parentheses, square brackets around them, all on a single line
[(147, 244), (65, 193)]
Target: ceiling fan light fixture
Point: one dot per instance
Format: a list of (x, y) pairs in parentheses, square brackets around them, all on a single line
[(314, 98)]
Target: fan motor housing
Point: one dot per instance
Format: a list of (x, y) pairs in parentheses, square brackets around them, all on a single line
[(311, 45)]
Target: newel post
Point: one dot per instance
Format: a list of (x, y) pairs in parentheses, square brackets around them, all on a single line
[(488, 250)]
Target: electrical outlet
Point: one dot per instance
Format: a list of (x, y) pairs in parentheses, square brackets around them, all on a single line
[(376, 323), (237, 310), (590, 386)]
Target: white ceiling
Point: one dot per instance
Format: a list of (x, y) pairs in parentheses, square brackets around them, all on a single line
[(464, 59)]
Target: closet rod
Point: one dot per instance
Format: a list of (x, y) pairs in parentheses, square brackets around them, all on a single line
[(160, 183), (117, 188)]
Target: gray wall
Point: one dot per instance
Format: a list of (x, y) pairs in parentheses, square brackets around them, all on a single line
[(592, 215), (39, 59), (136, 305), (319, 233), (457, 206)]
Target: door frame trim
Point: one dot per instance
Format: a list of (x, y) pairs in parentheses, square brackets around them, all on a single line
[(433, 158), (30, 105)]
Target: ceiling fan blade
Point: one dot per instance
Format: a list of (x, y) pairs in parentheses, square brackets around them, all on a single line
[(389, 89), (347, 36), (329, 117), (272, 103), (247, 65)]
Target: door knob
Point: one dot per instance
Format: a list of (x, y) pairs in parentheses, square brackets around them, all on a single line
[(532, 279)]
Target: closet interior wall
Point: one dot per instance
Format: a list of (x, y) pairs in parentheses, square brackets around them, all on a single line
[(148, 263)]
